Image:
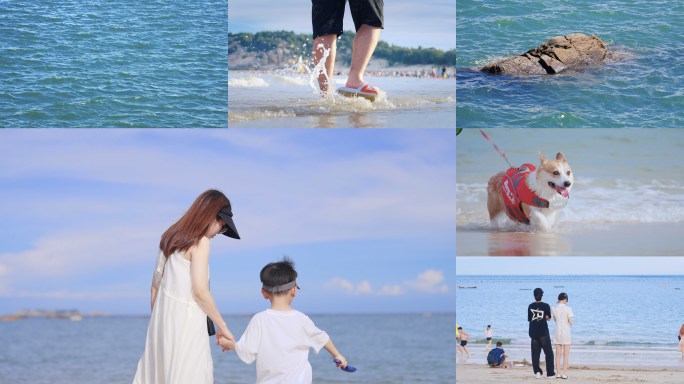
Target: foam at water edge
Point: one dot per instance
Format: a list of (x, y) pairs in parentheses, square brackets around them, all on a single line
[(248, 82)]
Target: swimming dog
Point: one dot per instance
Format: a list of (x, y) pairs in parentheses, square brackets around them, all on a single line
[(529, 195)]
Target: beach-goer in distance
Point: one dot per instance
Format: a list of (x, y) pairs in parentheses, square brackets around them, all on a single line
[(463, 341), (496, 358), (562, 316), (538, 313), (681, 340), (177, 344), (489, 332), (327, 17), (279, 338)]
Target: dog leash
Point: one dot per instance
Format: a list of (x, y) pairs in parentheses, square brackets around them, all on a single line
[(502, 153)]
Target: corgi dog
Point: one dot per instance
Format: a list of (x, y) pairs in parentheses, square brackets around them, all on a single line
[(529, 195)]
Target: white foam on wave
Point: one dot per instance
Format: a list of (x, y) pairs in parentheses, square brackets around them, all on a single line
[(234, 117), (593, 202), (248, 82), (292, 80)]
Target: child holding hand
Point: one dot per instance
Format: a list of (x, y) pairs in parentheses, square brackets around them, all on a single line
[(279, 338)]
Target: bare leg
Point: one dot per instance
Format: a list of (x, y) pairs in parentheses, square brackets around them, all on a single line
[(559, 349), (364, 44), (566, 358), (467, 353), (327, 42)]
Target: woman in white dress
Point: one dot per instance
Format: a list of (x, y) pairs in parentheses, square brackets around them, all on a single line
[(562, 316), (177, 347)]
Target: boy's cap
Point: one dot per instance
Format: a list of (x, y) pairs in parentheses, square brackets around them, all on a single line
[(226, 215), (538, 292), (280, 288)]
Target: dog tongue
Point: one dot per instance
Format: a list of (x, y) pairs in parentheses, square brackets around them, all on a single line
[(563, 191)]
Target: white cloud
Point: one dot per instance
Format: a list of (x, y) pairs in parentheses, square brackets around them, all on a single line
[(3, 270), (429, 281), (68, 253), (362, 288), (340, 284), (392, 290)]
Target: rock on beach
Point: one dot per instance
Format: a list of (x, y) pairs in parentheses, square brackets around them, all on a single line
[(558, 54)]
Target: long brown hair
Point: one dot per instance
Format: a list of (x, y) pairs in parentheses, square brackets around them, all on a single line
[(195, 223), (681, 330)]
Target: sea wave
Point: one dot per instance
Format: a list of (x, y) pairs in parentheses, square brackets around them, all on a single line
[(248, 82), (592, 202)]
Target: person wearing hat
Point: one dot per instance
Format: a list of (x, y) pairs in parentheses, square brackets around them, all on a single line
[(562, 317), (279, 338), (538, 313), (183, 310)]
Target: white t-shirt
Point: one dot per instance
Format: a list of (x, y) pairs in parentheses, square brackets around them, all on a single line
[(279, 341)]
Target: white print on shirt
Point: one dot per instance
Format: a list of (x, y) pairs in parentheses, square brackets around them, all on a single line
[(537, 314)]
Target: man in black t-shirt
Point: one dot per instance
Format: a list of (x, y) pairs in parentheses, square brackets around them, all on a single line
[(538, 313)]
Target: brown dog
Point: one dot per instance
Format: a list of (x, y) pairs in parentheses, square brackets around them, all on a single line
[(529, 195)]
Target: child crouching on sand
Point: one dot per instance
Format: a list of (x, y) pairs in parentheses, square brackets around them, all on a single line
[(496, 358), (279, 338)]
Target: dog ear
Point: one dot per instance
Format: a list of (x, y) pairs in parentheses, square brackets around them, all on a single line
[(543, 159), (559, 156)]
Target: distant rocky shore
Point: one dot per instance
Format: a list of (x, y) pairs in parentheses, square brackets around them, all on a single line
[(72, 314), (269, 50)]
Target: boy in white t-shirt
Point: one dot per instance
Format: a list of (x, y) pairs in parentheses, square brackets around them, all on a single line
[(279, 338)]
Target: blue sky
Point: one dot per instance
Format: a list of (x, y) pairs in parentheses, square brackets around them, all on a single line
[(590, 265), (408, 23), (367, 215)]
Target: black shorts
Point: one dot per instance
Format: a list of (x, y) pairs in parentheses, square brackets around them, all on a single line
[(327, 15), (463, 343)]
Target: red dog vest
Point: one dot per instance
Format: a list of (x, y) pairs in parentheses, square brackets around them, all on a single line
[(515, 192)]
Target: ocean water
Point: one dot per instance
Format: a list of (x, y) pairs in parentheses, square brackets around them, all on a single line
[(644, 89), (286, 99), (67, 63), (631, 321), (391, 349), (622, 176)]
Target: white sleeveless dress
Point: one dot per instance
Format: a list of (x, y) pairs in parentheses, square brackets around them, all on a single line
[(561, 314), (177, 349)]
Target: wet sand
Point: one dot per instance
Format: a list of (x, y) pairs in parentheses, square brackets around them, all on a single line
[(482, 374), (643, 239)]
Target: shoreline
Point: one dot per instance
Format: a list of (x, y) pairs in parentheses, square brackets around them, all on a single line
[(482, 374), (640, 239)]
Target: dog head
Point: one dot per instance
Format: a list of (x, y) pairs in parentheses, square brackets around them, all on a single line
[(555, 177)]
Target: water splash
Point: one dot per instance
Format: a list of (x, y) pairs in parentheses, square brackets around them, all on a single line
[(318, 69)]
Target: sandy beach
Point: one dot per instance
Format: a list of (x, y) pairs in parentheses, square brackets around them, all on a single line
[(642, 239), (482, 374)]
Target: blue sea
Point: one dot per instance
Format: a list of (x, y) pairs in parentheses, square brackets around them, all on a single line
[(91, 63), (644, 89), (389, 349), (628, 321)]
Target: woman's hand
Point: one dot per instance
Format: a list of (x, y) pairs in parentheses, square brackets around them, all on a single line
[(226, 345), (225, 333)]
